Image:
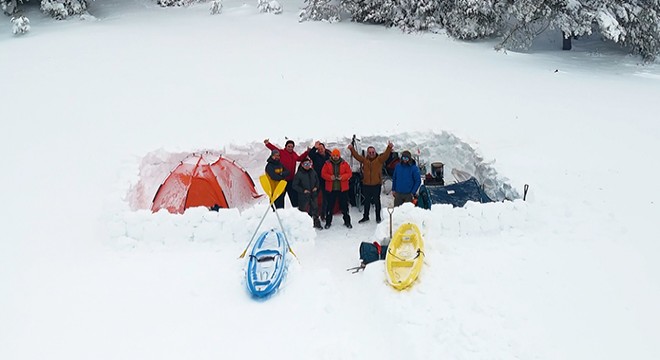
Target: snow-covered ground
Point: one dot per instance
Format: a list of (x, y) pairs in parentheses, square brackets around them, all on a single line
[(87, 271)]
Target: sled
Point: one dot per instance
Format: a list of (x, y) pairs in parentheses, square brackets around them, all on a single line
[(405, 256), (267, 264)]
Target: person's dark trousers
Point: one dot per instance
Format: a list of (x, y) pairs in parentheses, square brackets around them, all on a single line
[(400, 198), (279, 202), (371, 195), (324, 199), (293, 195), (333, 196), (309, 203)]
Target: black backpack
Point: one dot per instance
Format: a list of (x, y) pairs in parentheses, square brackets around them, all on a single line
[(370, 252)]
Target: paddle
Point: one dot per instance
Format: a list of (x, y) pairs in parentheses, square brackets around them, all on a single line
[(266, 184), (284, 233), (272, 196)]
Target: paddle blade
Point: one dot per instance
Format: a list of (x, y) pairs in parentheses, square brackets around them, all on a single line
[(272, 188), (265, 183), (294, 254), (279, 190)]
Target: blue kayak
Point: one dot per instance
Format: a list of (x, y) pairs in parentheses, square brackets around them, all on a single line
[(267, 264)]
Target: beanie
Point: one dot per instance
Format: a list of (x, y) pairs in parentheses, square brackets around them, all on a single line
[(406, 153), (335, 152), (275, 151)]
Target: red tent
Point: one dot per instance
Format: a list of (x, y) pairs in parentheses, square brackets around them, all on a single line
[(200, 181)]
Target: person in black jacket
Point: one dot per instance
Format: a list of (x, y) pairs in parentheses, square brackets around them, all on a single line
[(319, 155), (276, 172), (306, 183)]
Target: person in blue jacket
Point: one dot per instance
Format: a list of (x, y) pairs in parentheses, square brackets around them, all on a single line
[(406, 179)]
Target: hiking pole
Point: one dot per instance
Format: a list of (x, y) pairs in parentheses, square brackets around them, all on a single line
[(284, 233), (353, 145), (525, 193)]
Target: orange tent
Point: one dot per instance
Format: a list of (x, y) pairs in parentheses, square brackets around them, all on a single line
[(200, 181)]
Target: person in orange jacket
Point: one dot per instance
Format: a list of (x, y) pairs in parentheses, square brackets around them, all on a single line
[(336, 172)]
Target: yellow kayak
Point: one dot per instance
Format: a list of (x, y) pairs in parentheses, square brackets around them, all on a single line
[(405, 256)]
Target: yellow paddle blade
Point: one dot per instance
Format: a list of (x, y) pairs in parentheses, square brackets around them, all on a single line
[(265, 183), (279, 190), (272, 188), (294, 254)]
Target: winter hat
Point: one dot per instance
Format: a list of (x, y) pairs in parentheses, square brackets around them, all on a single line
[(335, 152), (274, 152), (406, 153), (289, 142)]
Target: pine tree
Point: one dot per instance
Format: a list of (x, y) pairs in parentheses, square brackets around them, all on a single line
[(634, 24), (61, 9), (416, 15), (10, 7), (269, 6), (20, 24), (528, 19), (472, 19), (371, 11), (320, 10)]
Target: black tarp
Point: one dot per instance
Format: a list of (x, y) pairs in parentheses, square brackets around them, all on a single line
[(455, 194)]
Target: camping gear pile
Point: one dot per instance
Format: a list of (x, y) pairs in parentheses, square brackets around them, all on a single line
[(434, 190)]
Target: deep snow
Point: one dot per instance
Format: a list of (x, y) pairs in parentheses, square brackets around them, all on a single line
[(87, 272)]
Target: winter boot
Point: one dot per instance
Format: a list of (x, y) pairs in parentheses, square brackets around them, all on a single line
[(317, 223), (363, 220), (347, 221)]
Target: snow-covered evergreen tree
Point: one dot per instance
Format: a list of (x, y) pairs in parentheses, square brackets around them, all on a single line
[(371, 11), (269, 6), (61, 9), (415, 15), (166, 3), (473, 19), (634, 24), (320, 10), (20, 24), (527, 19), (216, 7), (9, 7)]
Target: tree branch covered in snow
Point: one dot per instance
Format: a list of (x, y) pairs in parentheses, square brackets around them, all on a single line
[(269, 6), (166, 3), (632, 23), (61, 9), (9, 7), (20, 24), (320, 10)]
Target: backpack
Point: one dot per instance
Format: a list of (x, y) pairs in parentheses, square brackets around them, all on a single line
[(370, 252)]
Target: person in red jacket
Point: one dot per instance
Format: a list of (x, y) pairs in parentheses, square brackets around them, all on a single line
[(336, 172), (289, 159)]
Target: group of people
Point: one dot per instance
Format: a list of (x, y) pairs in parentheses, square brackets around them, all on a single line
[(323, 173)]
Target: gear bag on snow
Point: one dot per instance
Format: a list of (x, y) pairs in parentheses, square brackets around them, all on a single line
[(370, 252)]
